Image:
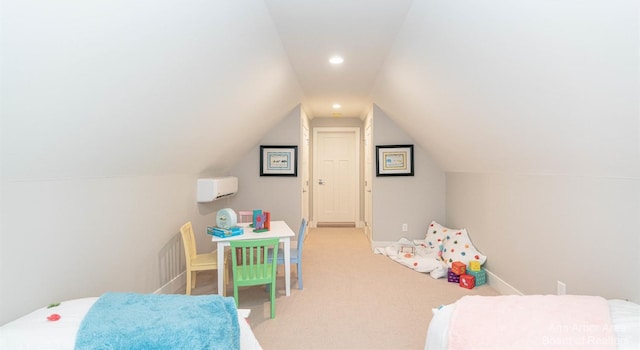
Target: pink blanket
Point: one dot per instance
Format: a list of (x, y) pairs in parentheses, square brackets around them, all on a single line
[(531, 322)]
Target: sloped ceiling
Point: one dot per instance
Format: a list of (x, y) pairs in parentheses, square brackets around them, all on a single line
[(547, 87), (119, 88), (360, 31)]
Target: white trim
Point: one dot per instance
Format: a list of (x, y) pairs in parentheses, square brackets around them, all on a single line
[(493, 280), (500, 285), (174, 285)]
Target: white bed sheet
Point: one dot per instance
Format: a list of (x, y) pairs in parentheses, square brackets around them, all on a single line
[(624, 315), (34, 331), (421, 259)]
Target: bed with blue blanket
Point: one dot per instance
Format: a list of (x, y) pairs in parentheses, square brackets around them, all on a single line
[(133, 321)]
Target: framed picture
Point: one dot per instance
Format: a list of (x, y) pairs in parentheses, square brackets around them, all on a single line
[(394, 160), (278, 160)]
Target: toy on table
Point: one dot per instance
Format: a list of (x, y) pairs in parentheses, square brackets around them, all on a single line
[(226, 224), (261, 221)]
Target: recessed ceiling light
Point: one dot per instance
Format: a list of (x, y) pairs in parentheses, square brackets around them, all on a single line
[(336, 60), (336, 106)]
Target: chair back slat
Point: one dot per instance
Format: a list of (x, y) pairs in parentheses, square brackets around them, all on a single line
[(245, 216), (301, 236), (188, 240), (198, 262), (250, 265)]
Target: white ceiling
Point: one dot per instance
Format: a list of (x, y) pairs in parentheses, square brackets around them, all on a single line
[(361, 31), (109, 89)]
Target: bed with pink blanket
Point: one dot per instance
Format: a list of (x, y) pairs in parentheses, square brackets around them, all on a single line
[(535, 322)]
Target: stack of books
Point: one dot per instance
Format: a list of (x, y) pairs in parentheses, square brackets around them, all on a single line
[(225, 232)]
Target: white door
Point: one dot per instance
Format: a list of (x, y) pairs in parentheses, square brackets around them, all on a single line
[(336, 175)]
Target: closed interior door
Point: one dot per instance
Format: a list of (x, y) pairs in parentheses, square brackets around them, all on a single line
[(336, 175)]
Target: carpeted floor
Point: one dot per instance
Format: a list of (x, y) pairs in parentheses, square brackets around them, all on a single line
[(352, 298)]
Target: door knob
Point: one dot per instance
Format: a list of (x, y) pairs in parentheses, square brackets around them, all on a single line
[(320, 182)]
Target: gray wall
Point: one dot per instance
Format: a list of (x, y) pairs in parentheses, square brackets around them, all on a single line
[(65, 239), (538, 229), (280, 195), (110, 112), (414, 200), (531, 107)]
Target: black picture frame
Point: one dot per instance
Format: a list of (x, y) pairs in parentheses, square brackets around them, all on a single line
[(278, 160), (394, 160)]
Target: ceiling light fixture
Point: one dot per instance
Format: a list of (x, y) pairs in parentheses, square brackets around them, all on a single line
[(336, 106), (336, 60)]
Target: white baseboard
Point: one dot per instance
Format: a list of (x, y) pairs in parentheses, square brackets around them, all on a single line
[(493, 280), (172, 286), (500, 285)]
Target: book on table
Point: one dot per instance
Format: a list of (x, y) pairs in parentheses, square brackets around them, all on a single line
[(225, 232)]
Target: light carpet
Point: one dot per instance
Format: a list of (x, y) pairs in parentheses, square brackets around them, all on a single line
[(352, 298)]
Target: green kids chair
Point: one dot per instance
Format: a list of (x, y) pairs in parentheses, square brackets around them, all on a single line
[(251, 267)]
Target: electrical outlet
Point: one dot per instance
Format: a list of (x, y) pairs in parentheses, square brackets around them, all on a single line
[(562, 288), (405, 227)]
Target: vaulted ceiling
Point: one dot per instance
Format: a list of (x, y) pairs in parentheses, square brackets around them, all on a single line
[(360, 31), (119, 88)]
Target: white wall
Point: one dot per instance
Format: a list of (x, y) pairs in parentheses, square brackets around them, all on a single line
[(110, 112), (414, 200), (540, 229)]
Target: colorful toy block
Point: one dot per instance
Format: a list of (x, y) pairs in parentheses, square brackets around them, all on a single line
[(458, 267), (467, 281), (452, 276), (480, 276), (474, 265)]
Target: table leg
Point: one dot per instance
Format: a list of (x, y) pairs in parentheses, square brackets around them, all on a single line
[(221, 267), (287, 265)]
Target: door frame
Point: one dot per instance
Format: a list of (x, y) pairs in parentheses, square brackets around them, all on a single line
[(304, 154), (357, 166)]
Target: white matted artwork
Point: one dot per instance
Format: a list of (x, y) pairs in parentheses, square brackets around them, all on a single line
[(394, 160), (278, 160)]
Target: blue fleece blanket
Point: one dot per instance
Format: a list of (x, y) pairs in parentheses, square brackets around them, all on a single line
[(160, 321)]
